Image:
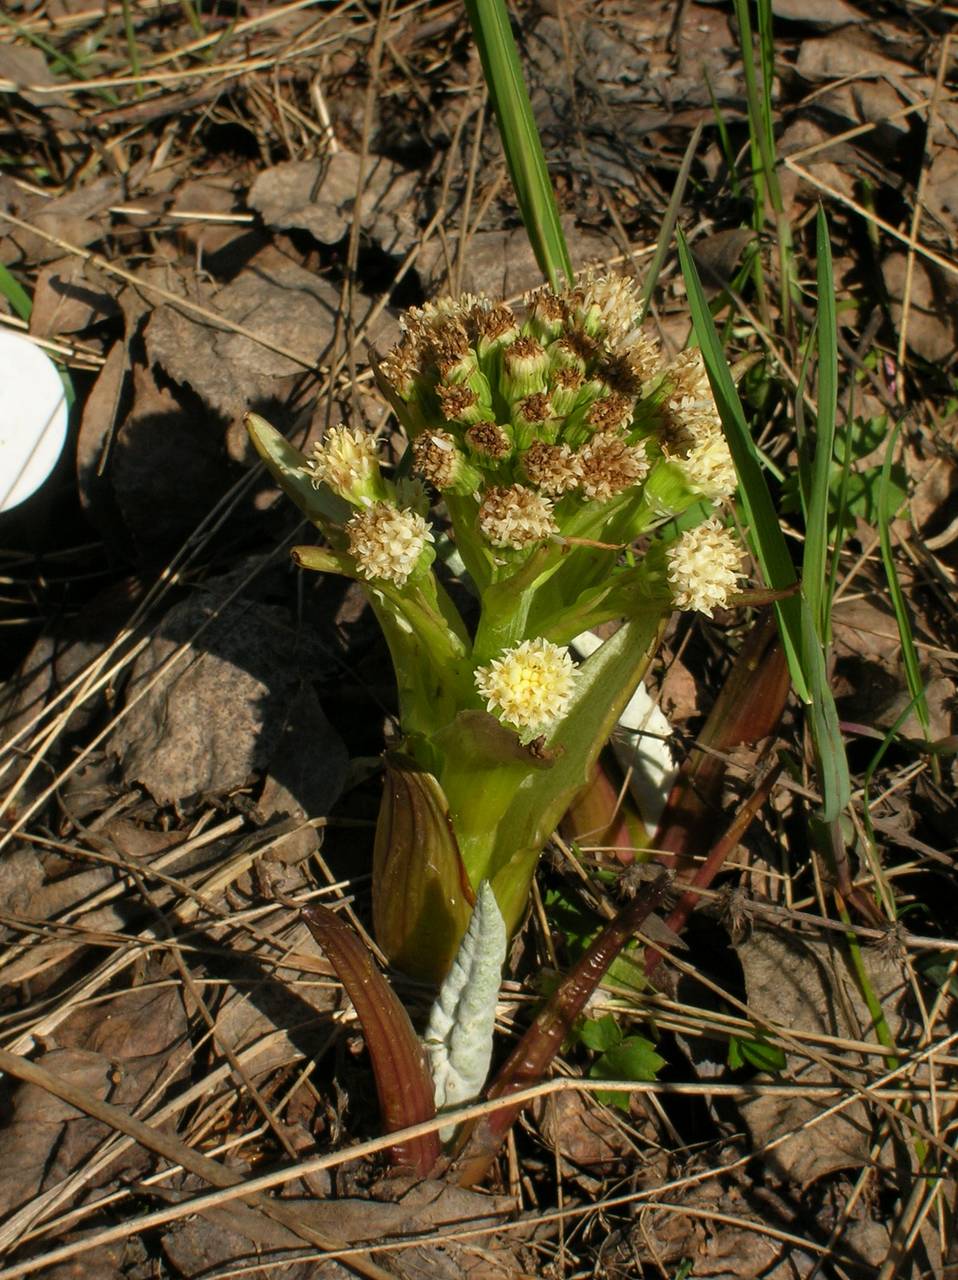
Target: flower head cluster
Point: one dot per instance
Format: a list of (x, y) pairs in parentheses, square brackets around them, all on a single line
[(532, 413), (704, 566), (515, 516), (346, 460), (387, 542), (530, 686), (691, 431)]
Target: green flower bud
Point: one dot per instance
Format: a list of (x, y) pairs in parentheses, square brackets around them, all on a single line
[(489, 441), (459, 404), (525, 367), (495, 327), (565, 390), (546, 316), (574, 350), (439, 460), (346, 460), (534, 420)]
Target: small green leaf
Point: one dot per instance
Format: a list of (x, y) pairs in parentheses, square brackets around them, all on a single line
[(635, 1058), (600, 1034), (757, 1053), (15, 294)]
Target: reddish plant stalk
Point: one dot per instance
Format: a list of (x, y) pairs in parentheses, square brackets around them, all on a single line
[(403, 1083), (678, 917)]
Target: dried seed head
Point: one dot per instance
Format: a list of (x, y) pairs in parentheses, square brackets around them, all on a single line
[(553, 468), (514, 516), (608, 464), (436, 458), (704, 566), (387, 542), (346, 460), (612, 412), (533, 410), (458, 403), (489, 440), (529, 686)]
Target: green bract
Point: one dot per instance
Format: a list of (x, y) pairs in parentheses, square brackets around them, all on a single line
[(552, 440)]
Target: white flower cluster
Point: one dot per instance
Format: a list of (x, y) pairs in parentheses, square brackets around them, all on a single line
[(345, 459), (693, 429), (704, 566), (387, 542), (529, 686), (515, 516)]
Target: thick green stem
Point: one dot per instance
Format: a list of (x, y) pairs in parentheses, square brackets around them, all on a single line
[(504, 810)]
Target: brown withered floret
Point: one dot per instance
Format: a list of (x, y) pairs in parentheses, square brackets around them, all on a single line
[(546, 307), (553, 468), (400, 366), (456, 401), (435, 457), (611, 412), (567, 379), (488, 439), (523, 351), (535, 408), (493, 323), (609, 464)]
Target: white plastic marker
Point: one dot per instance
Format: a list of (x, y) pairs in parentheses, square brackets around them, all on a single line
[(33, 418), (641, 745)]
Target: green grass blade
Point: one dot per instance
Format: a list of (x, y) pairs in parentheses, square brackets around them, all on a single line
[(816, 477), (520, 137), (724, 138), (830, 758), (909, 654), (815, 563), (766, 115), (668, 222), (15, 294), (768, 541)]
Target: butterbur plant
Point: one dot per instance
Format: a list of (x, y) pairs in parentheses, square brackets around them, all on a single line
[(550, 452)]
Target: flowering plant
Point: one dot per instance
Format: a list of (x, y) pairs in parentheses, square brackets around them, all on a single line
[(555, 442)]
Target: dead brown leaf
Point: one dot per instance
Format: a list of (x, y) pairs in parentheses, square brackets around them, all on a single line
[(222, 712), (804, 984), (319, 196), (65, 300)]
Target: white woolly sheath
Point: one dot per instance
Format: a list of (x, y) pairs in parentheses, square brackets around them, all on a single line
[(458, 1037)]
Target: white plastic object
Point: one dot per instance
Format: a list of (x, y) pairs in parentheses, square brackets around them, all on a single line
[(33, 418), (641, 745)]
